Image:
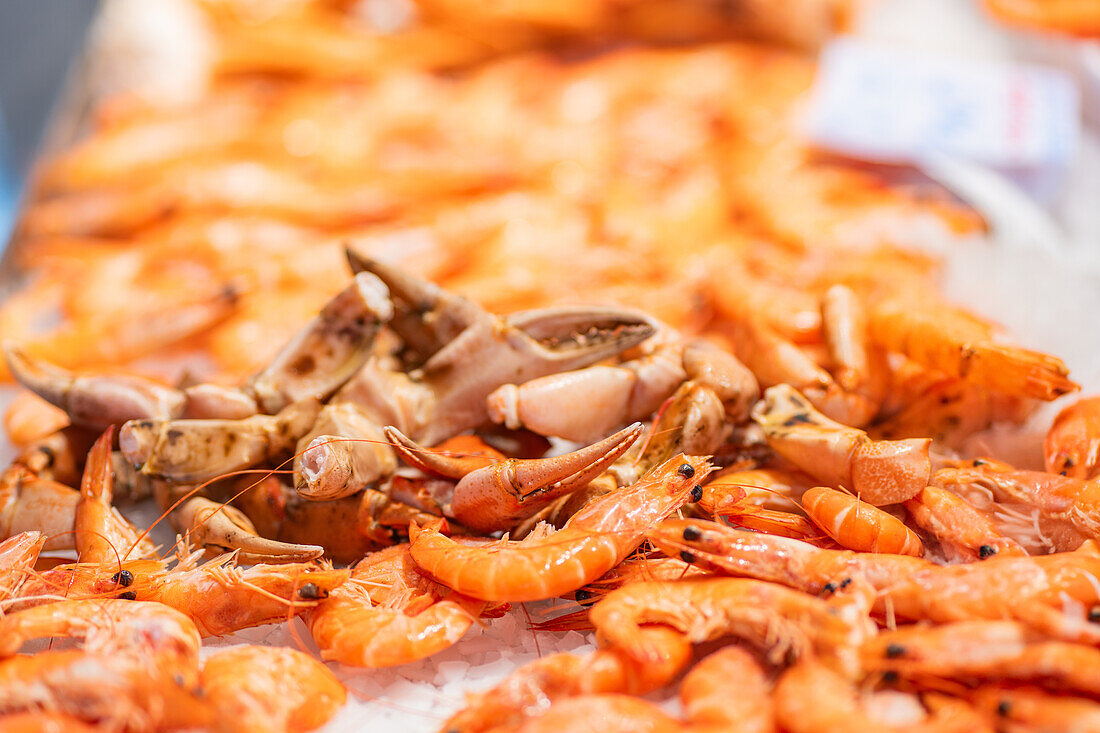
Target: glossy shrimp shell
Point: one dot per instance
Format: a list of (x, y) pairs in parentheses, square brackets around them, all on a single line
[(592, 542)]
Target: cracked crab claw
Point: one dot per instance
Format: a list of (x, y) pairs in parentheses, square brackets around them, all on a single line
[(517, 348), (497, 496), (196, 450), (221, 528), (328, 351), (94, 401)]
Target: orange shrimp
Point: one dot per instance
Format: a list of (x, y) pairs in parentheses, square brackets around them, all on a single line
[(634, 570), (255, 689), (859, 526), (388, 614), (728, 690), (162, 638), (1034, 590), (102, 535), (43, 723), (18, 554), (984, 650), (769, 615), (783, 560), (594, 540), (811, 698), (116, 692), (1072, 446), (739, 496), (960, 527), (1058, 500), (1030, 709), (951, 341), (532, 688), (220, 597)]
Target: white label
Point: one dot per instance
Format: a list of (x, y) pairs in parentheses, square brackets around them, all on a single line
[(893, 106)]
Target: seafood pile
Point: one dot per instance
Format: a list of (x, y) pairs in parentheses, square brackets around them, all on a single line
[(406, 321), (717, 495)]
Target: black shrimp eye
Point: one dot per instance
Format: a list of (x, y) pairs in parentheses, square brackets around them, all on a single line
[(1094, 614), (1004, 707), (890, 676), (310, 592), (696, 493), (986, 551), (582, 596), (829, 588), (686, 470), (893, 651), (687, 557), (128, 596), (124, 578), (692, 533)]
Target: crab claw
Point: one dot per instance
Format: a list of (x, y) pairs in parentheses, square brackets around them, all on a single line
[(196, 450), (425, 316), (221, 528), (516, 349), (448, 458), (328, 351), (496, 497), (94, 401)]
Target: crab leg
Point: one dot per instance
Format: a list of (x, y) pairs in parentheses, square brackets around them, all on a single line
[(196, 450), (94, 401), (221, 528)]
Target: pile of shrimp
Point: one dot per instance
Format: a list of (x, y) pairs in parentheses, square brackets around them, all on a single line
[(408, 318)]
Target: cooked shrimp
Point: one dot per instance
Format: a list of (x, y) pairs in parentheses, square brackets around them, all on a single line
[(959, 526), (43, 723), (779, 559), (102, 535), (811, 698), (255, 689), (606, 713), (160, 637), (1060, 499), (221, 597), (593, 541), (859, 526), (776, 618), (18, 554), (953, 342), (1031, 589), (1020, 709), (116, 692), (984, 650), (532, 688), (387, 614), (1072, 446), (877, 471)]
